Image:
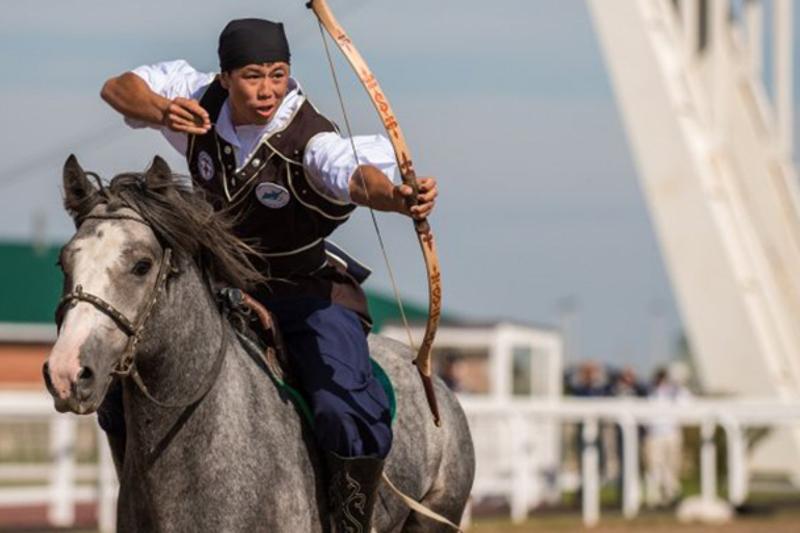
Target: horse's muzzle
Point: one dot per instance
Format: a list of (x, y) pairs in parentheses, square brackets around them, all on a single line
[(81, 392)]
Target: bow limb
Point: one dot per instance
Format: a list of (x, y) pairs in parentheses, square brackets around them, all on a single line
[(406, 166)]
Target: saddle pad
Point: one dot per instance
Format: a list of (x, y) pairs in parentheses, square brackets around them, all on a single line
[(256, 351)]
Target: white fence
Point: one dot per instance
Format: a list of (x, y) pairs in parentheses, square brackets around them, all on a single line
[(61, 482), (510, 436), (518, 447)]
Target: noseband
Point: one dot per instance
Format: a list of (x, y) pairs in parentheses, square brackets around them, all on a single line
[(126, 365), (132, 329)]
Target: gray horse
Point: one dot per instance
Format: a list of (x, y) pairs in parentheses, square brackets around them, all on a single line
[(213, 444)]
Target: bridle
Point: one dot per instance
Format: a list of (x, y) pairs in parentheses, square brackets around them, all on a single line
[(126, 365)]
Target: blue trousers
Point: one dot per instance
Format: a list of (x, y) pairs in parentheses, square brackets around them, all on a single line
[(329, 356)]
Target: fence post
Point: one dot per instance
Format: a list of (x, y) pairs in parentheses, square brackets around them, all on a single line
[(708, 461), (737, 462), (590, 473), (61, 508), (631, 489), (520, 481)]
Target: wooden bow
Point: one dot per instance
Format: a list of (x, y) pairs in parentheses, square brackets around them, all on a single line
[(403, 155)]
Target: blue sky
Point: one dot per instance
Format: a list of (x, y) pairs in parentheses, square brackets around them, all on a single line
[(507, 103)]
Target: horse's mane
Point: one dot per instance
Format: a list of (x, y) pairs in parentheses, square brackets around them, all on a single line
[(183, 220)]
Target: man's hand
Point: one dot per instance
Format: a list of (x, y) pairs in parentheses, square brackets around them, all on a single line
[(186, 116), (371, 187), (426, 199)]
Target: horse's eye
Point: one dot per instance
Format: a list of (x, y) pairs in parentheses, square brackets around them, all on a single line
[(142, 267)]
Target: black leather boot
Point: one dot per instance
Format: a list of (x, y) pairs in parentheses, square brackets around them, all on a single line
[(352, 490)]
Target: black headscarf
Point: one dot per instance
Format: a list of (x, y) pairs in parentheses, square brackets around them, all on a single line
[(247, 41)]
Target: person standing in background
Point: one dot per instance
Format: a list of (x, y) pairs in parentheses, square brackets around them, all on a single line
[(664, 444)]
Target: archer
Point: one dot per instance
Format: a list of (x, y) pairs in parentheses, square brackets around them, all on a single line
[(255, 143)]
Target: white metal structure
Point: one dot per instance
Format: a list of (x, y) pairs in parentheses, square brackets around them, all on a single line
[(713, 150), (508, 459)]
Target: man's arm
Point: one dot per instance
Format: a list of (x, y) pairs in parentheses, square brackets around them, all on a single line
[(131, 96), (371, 187)]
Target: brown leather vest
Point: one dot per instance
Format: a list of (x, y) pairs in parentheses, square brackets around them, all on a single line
[(277, 208)]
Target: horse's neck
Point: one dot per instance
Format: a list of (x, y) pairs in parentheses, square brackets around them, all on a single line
[(187, 333), (180, 345), (184, 336), (242, 420)]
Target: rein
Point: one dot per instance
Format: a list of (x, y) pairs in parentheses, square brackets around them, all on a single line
[(126, 365)]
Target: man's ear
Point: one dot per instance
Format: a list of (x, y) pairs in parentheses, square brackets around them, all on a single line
[(78, 190), (225, 80)]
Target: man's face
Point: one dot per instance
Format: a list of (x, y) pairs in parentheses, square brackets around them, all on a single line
[(256, 91)]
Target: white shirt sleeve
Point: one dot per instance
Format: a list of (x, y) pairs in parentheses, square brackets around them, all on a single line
[(329, 160), (172, 79)]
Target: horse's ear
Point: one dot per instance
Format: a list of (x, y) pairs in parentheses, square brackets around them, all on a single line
[(159, 173), (78, 190)]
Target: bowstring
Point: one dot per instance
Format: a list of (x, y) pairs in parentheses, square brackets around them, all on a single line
[(390, 270)]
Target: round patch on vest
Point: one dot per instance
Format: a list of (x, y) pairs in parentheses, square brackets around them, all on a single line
[(205, 165), (272, 195)]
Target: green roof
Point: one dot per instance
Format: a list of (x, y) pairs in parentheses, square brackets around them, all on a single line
[(30, 283), (30, 287), (385, 309)]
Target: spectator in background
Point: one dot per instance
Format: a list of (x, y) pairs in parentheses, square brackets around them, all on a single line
[(663, 448), (590, 381), (449, 372), (625, 384)]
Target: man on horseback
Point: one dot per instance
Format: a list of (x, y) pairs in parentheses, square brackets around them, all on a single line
[(255, 143)]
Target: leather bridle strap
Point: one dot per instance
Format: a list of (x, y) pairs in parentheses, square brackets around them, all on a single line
[(128, 359), (204, 387), (132, 329), (126, 366), (68, 300)]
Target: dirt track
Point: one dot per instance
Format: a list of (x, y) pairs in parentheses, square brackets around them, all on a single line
[(781, 518), (776, 523)]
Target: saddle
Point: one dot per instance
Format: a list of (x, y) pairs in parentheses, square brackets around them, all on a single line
[(261, 338), (257, 330)]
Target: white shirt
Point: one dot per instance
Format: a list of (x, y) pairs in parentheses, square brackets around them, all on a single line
[(666, 394), (328, 160)]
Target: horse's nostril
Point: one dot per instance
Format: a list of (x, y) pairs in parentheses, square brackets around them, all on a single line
[(46, 375), (85, 375), (84, 384)]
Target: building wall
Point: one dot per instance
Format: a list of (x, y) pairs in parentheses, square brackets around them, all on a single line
[(21, 365)]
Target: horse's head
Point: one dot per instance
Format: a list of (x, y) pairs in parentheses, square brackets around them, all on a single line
[(131, 234), (115, 256)]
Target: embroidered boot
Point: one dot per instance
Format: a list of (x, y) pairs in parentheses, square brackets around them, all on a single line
[(352, 491)]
